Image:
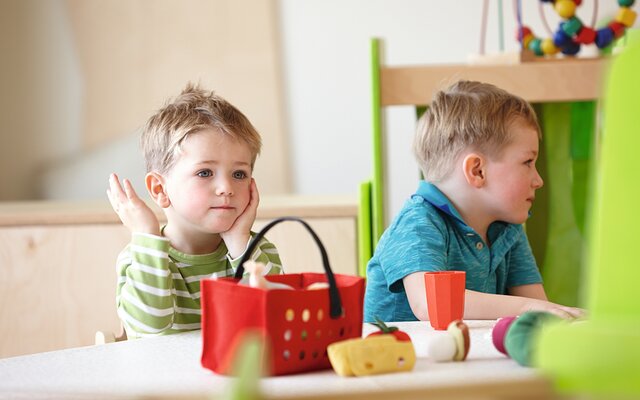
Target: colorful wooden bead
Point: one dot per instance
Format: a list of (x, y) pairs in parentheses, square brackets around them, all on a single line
[(626, 16), (522, 33), (527, 40), (626, 3), (617, 28), (565, 8), (604, 37), (561, 39), (578, 2), (571, 26), (548, 47), (535, 46), (571, 49), (586, 35)]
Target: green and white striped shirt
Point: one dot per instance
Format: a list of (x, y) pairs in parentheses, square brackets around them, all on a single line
[(159, 287)]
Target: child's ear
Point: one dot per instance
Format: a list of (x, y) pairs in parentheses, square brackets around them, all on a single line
[(156, 188), (473, 168)]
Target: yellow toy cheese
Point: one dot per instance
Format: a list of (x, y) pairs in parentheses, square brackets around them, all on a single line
[(374, 355)]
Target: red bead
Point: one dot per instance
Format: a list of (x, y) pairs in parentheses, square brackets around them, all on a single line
[(617, 28), (578, 2), (522, 33), (586, 35)]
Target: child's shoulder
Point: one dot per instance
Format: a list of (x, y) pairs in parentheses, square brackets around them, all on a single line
[(416, 214)]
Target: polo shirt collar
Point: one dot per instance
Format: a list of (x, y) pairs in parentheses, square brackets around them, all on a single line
[(433, 195)]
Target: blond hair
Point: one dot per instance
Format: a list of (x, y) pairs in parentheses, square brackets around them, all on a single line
[(467, 115), (194, 110)]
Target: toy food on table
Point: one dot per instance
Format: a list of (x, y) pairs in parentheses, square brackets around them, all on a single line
[(377, 354), (514, 336), (318, 286), (256, 278), (452, 345), (393, 330)]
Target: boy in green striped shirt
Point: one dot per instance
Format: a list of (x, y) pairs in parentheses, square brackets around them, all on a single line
[(199, 152)]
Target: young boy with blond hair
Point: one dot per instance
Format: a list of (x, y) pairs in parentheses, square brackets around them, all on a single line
[(200, 152), (477, 146)]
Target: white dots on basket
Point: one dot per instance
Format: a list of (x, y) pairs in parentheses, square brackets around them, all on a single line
[(320, 315), (287, 335), (286, 354), (306, 315), (289, 315)]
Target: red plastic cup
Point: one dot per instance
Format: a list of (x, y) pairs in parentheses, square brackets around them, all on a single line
[(445, 297)]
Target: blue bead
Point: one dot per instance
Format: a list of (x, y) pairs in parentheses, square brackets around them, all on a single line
[(625, 3), (561, 39), (604, 37), (571, 49)]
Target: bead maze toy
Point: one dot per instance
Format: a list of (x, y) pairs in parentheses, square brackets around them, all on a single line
[(572, 33)]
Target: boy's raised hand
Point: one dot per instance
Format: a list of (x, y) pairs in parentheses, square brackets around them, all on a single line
[(134, 213), (237, 237)]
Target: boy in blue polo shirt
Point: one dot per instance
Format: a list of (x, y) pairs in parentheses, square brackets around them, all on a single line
[(477, 146)]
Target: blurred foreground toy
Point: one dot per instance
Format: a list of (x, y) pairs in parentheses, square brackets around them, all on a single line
[(377, 354), (452, 345), (514, 336)]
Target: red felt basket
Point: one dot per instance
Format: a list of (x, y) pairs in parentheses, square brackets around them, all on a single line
[(297, 325)]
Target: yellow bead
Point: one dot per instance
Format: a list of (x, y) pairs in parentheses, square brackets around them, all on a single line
[(527, 39), (626, 16), (548, 47), (565, 8)]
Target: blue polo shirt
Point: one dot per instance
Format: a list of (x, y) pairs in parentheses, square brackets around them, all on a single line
[(429, 235)]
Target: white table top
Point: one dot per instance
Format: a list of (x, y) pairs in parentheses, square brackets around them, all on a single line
[(170, 365)]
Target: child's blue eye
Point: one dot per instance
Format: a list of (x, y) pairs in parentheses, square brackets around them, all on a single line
[(239, 175), (205, 173)]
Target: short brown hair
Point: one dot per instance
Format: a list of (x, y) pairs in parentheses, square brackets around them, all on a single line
[(194, 110), (467, 115)]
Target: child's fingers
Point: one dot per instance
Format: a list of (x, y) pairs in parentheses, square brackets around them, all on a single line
[(255, 195), (116, 188), (129, 190)]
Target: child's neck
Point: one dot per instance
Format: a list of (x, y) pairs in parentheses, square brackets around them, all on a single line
[(468, 207), (192, 242)]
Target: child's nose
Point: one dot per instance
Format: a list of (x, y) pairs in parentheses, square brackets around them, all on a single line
[(537, 181), (224, 187)]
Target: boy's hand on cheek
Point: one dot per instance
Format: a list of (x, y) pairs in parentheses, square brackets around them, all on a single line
[(134, 213), (237, 237)]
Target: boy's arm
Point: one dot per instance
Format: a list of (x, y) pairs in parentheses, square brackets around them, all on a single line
[(145, 297), (534, 291), (478, 305), (266, 253)]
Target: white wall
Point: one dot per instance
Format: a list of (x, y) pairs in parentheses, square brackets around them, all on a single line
[(36, 100), (327, 77)]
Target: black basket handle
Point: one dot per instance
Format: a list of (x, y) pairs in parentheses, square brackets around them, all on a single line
[(335, 304)]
